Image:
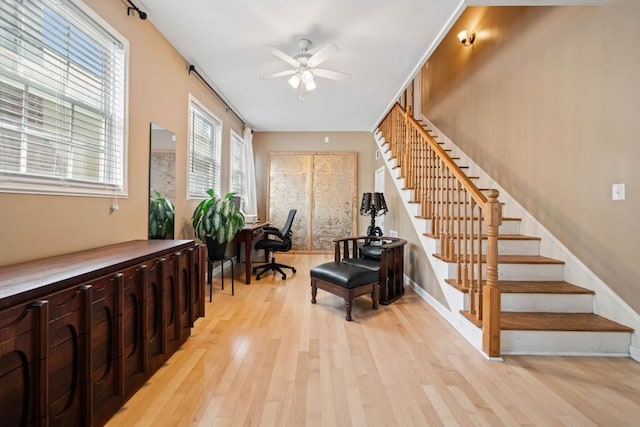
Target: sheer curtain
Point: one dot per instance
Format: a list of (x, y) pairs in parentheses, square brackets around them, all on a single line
[(251, 203)]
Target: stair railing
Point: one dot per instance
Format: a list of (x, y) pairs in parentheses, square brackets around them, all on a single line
[(463, 220)]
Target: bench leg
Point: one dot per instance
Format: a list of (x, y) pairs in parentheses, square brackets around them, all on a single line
[(348, 305), (314, 291), (374, 297)]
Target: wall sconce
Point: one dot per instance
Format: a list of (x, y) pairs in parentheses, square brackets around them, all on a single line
[(466, 38)]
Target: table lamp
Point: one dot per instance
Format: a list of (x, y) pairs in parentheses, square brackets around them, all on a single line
[(373, 204)]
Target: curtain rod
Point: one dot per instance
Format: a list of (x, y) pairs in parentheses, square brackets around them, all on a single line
[(192, 68), (141, 14)]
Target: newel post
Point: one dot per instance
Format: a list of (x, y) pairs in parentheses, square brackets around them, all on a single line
[(491, 292)]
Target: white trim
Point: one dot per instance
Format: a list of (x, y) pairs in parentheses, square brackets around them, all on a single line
[(25, 184), (416, 69), (194, 100), (456, 320), (238, 139)]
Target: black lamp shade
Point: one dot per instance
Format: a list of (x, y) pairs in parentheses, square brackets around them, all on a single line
[(373, 204)]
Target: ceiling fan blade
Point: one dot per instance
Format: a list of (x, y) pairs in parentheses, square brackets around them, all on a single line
[(321, 55), (280, 54), (330, 74), (279, 74)]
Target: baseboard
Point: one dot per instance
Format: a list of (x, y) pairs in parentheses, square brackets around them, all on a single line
[(456, 320), (634, 353)]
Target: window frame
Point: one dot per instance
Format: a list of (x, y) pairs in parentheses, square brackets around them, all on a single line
[(114, 140), (217, 125), (237, 138)]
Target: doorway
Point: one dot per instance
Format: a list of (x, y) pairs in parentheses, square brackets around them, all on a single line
[(379, 188)]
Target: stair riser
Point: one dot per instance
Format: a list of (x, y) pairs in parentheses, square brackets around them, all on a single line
[(507, 227), (505, 247), (565, 342), (547, 303), (534, 272)]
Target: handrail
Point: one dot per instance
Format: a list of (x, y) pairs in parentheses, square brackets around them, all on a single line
[(462, 177), (462, 218)]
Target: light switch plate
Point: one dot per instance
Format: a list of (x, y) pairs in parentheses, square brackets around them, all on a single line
[(617, 192)]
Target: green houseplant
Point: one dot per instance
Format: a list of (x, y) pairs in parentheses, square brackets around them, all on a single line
[(161, 216), (216, 221)]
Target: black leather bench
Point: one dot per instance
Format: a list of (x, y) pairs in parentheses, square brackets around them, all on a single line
[(346, 281)]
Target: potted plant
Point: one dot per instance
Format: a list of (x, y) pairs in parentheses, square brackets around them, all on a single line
[(216, 222), (161, 216)]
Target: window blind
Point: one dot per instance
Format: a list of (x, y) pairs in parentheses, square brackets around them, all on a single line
[(238, 166), (62, 99), (204, 151)]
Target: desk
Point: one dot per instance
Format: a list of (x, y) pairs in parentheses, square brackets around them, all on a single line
[(247, 236)]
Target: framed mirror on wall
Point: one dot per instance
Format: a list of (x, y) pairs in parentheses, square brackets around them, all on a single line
[(162, 182)]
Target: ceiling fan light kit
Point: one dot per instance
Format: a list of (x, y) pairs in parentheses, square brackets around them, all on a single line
[(302, 76)]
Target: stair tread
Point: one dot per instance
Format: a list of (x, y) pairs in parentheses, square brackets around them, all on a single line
[(541, 287), (532, 287), (516, 259), (586, 322)]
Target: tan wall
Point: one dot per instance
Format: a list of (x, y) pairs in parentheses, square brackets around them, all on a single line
[(360, 142), (547, 102), (35, 226)]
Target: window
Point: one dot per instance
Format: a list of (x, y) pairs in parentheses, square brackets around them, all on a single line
[(238, 166), (62, 100), (204, 151)]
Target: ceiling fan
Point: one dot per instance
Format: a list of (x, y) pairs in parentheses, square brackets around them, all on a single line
[(305, 66)]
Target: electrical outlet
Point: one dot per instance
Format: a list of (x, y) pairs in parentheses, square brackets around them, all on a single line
[(617, 192)]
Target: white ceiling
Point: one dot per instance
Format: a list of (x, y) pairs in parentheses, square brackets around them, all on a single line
[(382, 43)]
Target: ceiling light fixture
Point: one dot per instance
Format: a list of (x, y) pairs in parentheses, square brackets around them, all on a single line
[(294, 81), (466, 38), (305, 69), (302, 80)]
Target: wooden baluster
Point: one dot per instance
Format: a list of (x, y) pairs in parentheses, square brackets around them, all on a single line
[(465, 236), (439, 206), (457, 232), (478, 274), (432, 185), (422, 171), (472, 257), (491, 292), (414, 160), (427, 209), (450, 213), (399, 131)]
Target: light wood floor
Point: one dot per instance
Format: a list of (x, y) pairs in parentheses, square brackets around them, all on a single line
[(268, 357)]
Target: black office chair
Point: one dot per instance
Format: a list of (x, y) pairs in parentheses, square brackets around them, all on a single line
[(282, 243)]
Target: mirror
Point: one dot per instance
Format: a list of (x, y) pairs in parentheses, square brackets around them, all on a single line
[(162, 182)]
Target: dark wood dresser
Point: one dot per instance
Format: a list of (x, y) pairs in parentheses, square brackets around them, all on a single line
[(81, 332)]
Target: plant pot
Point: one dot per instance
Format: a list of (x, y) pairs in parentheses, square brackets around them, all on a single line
[(215, 250)]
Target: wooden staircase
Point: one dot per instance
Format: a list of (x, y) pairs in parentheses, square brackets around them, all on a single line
[(540, 312)]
